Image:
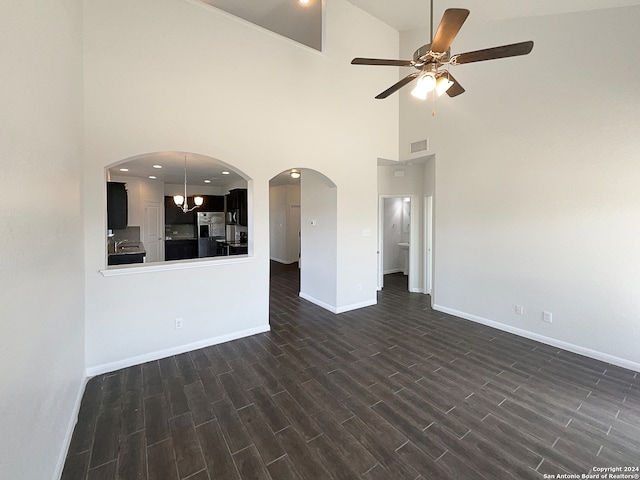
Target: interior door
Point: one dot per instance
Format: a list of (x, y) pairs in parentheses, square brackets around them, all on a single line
[(293, 234), (152, 236)]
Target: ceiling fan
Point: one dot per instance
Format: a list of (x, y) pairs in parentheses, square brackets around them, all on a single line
[(432, 60)]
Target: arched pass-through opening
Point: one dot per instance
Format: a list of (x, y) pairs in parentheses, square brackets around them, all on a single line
[(146, 225), (303, 233)]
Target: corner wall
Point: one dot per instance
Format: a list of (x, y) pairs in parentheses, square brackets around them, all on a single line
[(41, 263), (536, 182)]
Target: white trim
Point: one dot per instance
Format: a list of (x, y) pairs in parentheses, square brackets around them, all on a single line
[(336, 310), (356, 306), (177, 265), (148, 357), (284, 262), (393, 270), (587, 352), (57, 474)]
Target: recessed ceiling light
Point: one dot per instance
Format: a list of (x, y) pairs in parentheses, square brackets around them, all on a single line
[(225, 173), (207, 181), (157, 166), (152, 177), (304, 1), (124, 169)]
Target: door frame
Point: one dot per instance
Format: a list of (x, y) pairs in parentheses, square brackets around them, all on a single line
[(428, 245), (412, 240)]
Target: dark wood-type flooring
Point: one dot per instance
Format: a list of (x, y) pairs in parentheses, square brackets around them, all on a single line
[(393, 391)]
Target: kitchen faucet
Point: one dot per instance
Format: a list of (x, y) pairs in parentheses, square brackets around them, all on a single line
[(117, 244)]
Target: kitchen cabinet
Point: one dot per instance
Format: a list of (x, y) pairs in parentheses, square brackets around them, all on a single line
[(173, 215), (238, 249), (125, 259), (237, 203), (180, 249), (117, 206), (212, 203)]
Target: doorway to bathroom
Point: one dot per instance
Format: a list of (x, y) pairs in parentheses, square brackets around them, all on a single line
[(395, 235)]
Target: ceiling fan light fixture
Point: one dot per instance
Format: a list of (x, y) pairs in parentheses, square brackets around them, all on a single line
[(443, 83), (426, 83)]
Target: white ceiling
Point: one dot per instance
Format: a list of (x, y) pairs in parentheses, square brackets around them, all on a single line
[(413, 14), (289, 18), (199, 169), (303, 23)]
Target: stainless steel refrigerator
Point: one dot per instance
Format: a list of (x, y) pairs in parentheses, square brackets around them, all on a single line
[(211, 228)]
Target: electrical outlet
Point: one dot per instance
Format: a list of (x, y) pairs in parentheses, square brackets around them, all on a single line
[(519, 310), (547, 317), (178, 323)]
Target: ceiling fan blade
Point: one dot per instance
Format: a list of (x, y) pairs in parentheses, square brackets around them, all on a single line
[(455, 89), (449, 27), (381, 61), (398, 85), (512, 50)]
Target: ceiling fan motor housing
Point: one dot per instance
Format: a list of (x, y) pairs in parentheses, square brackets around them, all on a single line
[(421, 55)]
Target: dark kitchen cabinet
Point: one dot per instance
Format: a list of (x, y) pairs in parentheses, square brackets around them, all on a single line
[(212, 203), (125, 259), (117, 206), (173, 215), (237, 204), (180, 249)]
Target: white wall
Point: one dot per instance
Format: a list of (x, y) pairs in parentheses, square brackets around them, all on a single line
[(318, 234), (283, 241), (177, 75), (537, 182), (138, 191), (41, 263)]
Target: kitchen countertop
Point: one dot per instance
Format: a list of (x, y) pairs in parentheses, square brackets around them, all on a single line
[(128, 248), (236, 244)]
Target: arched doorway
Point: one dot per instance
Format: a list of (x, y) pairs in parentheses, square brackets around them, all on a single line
[(303, 232)]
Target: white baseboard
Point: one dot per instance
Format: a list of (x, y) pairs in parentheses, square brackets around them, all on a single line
[(57, 474), (148, 357), (587, 352), (285, 262), (336, 310), (356, 306), (393, 270)]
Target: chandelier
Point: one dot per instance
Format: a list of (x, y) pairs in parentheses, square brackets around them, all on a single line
[(181, 201)]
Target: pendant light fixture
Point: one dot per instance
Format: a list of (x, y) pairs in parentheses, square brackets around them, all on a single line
[(181, 201)]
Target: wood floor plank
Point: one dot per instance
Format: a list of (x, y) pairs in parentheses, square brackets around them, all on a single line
[(303, 459), (152, 379), (199, 404), (250, 464), (105, 444), (189, 456), (263, 438), (132, 457), (161, 461), (234, 432), (156, 416), (217, 456)]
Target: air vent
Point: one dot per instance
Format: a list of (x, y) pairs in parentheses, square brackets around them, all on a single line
[(420, 146)]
